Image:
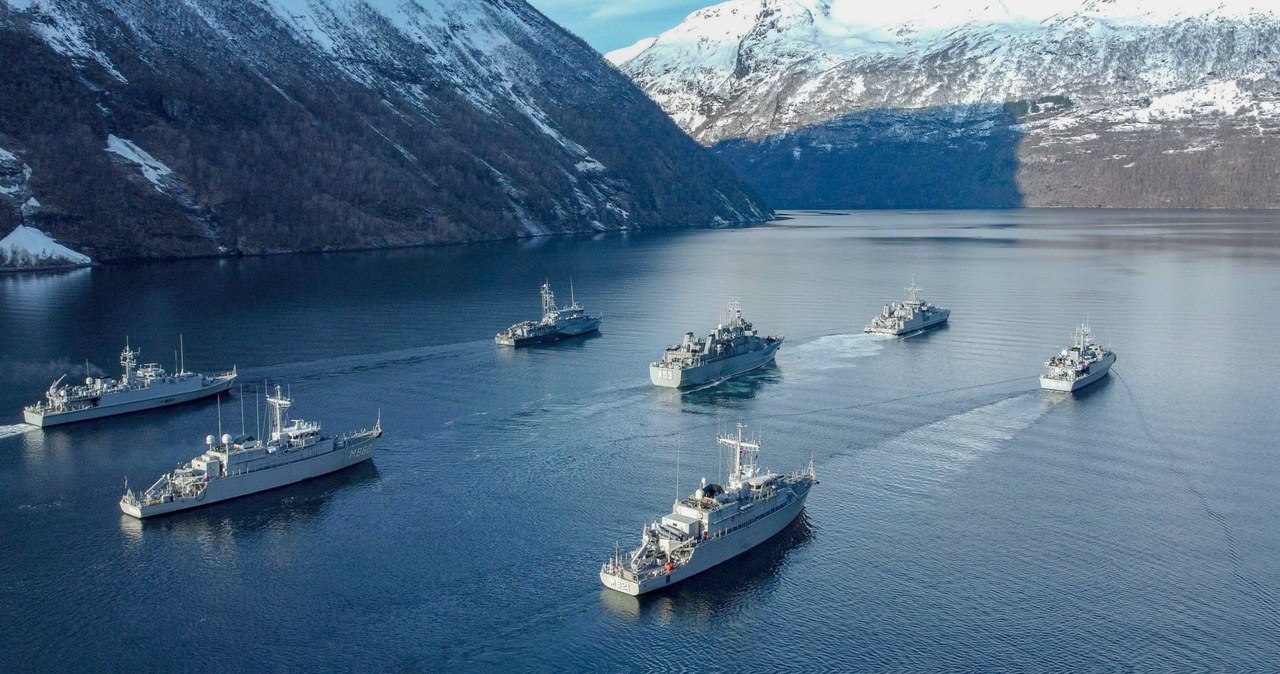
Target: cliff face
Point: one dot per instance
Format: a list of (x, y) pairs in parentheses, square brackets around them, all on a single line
[(829, 103), (130, 128)]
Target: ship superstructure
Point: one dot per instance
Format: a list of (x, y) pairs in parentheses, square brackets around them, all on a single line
[(912, 315), (731, 349), (556, 323), (139, 388), (295, 450), (1077, 366), (713, 525)]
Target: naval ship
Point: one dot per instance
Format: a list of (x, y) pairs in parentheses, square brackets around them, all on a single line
[(556, 323), (912, 315), (731, 349), (234, 467), (139, 388), (712, 525), (1081, 364)]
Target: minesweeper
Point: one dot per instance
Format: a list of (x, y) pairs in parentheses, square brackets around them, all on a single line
[(712, 525), (241, 466), (139, 388), (1081, 364), (731, 349), (913, 315), (556, 323)]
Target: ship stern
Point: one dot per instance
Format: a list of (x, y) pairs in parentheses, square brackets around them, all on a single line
[(619, 584), (667, 377), (1063, 385), (32, 417), (132, 509)]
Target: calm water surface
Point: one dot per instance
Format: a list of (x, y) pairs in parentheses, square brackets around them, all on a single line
[(964, 519)]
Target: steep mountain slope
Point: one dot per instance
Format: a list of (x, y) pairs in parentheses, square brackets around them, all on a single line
[(130, 128), (1070, 102)]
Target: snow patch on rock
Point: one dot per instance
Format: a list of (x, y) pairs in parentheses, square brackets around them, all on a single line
[(152, 169), (15, 175), (60, 30), (30, 247)]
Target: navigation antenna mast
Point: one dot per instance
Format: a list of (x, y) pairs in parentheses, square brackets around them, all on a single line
[(548, 299), (719, 457), (677, 469), (182, 353), (257, 417)]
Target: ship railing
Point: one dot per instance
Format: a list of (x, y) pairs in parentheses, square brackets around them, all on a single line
[(343, 440)]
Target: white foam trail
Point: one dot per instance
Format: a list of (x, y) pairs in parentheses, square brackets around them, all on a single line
[(15, 429), (921, 459), (837, 351)]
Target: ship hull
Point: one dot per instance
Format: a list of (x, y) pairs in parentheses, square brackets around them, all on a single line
[(125, 403), (517, 342), (578, 328), (670, 377), (235, 486), (1096, 373), (933, 320), (712, 553), (570, 331)]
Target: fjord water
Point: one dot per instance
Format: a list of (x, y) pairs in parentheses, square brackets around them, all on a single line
[(964, 519)]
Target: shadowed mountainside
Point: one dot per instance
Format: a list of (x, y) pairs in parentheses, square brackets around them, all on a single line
[(934, 158), (131, 129)]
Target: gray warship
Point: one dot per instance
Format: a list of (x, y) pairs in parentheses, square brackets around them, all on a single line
[(1081, 364), (731, 349), (556, 323), (913, 315), (233, 467), (712, 525), (139, 388)]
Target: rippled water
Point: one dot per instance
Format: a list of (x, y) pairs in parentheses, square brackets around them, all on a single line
[(964, 519)]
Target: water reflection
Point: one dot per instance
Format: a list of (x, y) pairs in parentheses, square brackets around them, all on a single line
[(43, 288), (734, 393), (720, 589)]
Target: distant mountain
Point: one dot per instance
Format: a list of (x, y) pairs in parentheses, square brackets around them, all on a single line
[(136, 128), (841, 103)]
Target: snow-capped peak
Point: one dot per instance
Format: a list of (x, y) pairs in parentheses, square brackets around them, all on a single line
[(859, 27), (757, 67), (620, 56)]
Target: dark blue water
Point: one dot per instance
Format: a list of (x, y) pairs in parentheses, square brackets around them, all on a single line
[(964, 519)]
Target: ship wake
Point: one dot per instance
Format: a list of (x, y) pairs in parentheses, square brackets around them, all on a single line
[(15, 429), (837, 351), (919, 461)]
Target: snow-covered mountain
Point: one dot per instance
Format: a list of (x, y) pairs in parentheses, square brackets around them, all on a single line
[(797, 86), (134, 128)]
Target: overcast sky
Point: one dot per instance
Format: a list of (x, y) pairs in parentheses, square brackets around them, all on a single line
[(610, 24)]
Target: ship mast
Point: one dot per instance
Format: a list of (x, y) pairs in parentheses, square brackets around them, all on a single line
[(744, 463), (279, 403), (913, 291), (548, 300), (128, 359)]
